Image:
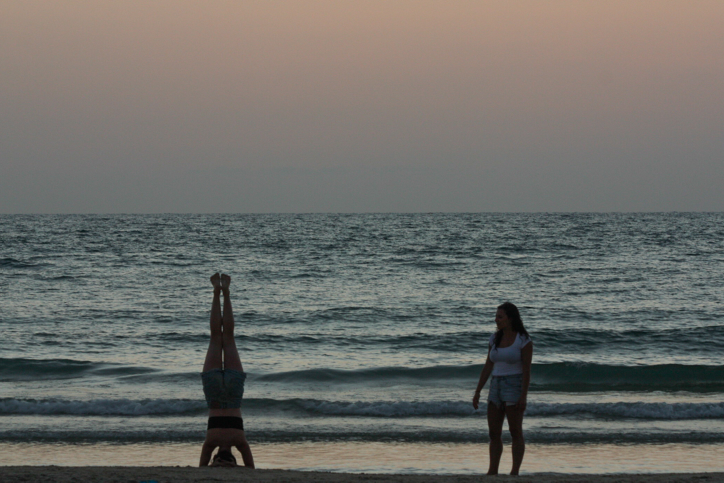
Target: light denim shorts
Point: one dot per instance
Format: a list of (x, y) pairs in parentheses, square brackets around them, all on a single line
[(506, 389), (223, 388)]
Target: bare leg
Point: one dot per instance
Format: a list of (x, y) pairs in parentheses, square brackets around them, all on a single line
[(216, 344), (515, 424), (496, 416), (231, 355)]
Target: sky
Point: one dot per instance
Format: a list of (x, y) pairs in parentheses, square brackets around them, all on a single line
[(361, 106)]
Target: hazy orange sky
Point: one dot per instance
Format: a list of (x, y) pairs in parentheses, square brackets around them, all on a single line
[(361, 106)]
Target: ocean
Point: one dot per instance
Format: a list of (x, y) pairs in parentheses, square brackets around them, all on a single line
[(363, 337)]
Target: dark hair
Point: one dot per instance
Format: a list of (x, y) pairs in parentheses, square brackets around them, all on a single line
[(515, 321), (225, 455)]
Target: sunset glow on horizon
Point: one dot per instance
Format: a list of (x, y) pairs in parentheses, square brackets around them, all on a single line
[(361, 106)]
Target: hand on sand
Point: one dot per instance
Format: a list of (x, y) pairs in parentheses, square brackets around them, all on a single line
[(216, 280), (225, 281)]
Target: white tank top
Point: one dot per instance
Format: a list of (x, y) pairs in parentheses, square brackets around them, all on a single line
[(507, 360)]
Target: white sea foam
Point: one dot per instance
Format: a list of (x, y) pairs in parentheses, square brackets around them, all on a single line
[(379, 409), (634, 410)]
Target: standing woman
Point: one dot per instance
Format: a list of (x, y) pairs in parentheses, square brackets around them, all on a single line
[(510, 352)]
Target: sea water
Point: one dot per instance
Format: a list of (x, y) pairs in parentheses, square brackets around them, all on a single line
[(363, 337)]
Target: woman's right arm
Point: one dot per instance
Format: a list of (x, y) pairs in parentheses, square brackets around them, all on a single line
[(484, 375), (246, 455)]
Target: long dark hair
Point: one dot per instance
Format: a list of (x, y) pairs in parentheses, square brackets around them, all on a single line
[(225, 455), (515, 321)]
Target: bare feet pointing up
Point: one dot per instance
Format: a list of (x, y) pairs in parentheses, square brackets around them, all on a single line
[(225, 281), (216, 281)]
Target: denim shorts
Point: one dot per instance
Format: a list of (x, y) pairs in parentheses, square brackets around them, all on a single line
[(506, 389), (223, 388)]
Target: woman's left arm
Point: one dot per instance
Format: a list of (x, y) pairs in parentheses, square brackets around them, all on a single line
[(526, 357), (206, 451)]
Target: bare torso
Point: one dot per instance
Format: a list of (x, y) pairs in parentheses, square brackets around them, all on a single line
[(225, 437)]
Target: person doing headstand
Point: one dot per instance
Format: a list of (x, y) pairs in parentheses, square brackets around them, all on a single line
[(223, 379)]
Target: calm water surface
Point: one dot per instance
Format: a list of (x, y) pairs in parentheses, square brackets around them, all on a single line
[(364, 329)]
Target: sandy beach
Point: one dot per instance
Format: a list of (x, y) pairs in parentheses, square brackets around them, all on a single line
[(13, 474)]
